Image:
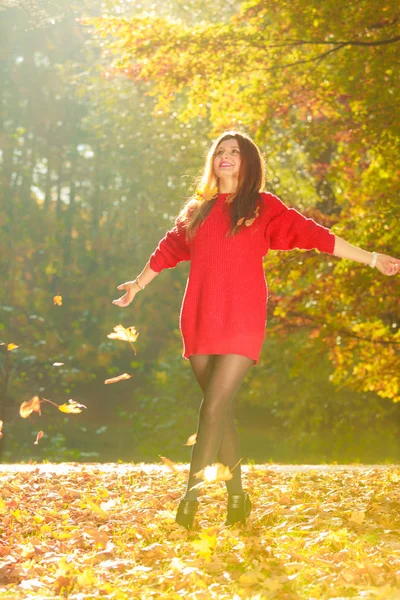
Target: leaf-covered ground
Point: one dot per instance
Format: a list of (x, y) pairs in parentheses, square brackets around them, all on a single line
[(90, 531)]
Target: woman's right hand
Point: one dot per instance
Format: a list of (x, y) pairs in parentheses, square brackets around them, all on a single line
[(131, 291)]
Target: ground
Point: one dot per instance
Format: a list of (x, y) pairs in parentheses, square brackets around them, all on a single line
[(83, 531)]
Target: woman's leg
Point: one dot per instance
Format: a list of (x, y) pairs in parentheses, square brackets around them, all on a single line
[(225, 375), (229, 449)]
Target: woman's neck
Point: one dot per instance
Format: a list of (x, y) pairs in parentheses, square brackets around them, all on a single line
[(227, 187)]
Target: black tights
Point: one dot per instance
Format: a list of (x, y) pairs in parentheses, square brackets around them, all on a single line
[(219, 376)]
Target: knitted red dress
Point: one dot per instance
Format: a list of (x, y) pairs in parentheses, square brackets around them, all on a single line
[(224, 308)]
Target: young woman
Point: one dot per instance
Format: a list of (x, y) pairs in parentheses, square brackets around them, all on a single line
[(225, 229)]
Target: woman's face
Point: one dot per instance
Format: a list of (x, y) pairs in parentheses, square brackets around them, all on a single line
[(227, 159)]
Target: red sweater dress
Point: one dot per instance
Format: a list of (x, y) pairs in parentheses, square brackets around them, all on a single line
[(224, 309)]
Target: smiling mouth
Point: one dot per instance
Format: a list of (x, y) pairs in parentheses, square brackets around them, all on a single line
[(225, 165)]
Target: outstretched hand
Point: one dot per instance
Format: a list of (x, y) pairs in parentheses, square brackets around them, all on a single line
[(387, 264), (127, 298)]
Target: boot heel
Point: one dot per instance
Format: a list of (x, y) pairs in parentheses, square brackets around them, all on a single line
[(239, 508), (186, 512)]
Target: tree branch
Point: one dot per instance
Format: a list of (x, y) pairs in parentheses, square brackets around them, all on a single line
[(343, 332)]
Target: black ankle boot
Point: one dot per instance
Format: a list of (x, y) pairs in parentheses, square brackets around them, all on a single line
[(186, 512), (239, 508)]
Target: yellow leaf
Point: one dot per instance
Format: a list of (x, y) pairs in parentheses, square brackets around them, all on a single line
[(17, 515), (96, 508), (191, 440), (87, 578), (357, 517), (205, 545), (57, 300), (11, 347), (128, 334), (71, 407)]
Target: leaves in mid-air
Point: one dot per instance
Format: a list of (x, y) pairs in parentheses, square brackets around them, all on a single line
[(125, 334), (30, 406), (57, 300), (71, 407), (121, 377), (191, 440), (38, 437)]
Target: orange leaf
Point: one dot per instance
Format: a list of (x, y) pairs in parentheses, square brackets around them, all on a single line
[(118, 378), (71, 407), (57, 300), (11, 347), (38, 437), (1, 429), (191, 440), (29, 406), (169, 463)]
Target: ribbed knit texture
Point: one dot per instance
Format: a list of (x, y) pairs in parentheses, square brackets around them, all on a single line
[(225, 301)]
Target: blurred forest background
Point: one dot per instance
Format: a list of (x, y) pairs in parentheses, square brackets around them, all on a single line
[(107, 111)]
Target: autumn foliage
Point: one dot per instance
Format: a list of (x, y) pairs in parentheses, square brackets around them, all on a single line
[(108, 531), (315, 85)]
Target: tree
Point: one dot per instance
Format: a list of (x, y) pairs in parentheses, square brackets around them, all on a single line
[(315, 85)]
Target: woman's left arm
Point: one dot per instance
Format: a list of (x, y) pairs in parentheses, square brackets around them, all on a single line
[(384, 263)]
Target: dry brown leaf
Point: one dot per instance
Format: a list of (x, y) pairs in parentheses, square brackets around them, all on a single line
[(71, 407), (38, 437), (191, 440), (118, 378), (30, 406)]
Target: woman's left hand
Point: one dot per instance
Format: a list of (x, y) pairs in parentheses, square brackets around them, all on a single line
[(387, 264)]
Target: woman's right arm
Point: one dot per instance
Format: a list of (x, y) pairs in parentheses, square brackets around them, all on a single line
[(171, 250), (132, 287)]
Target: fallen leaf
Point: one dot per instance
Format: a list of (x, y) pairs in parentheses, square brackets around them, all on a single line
[(29, 406), (38, 437), (118, 378), (1, 429), (191, 440), (58, 364), (71, 407), (96, 508), (11, 347), (57, 300), (357, 517)]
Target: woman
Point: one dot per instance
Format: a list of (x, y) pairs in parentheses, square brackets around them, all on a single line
[(225, 229)]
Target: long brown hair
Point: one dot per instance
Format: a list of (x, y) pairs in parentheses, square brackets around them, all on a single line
[(251, 181)]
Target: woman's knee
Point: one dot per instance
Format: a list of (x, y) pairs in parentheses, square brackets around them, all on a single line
[(215, 409)]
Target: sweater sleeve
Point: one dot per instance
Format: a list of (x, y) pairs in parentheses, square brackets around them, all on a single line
[(171, 250), (286, 229)]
